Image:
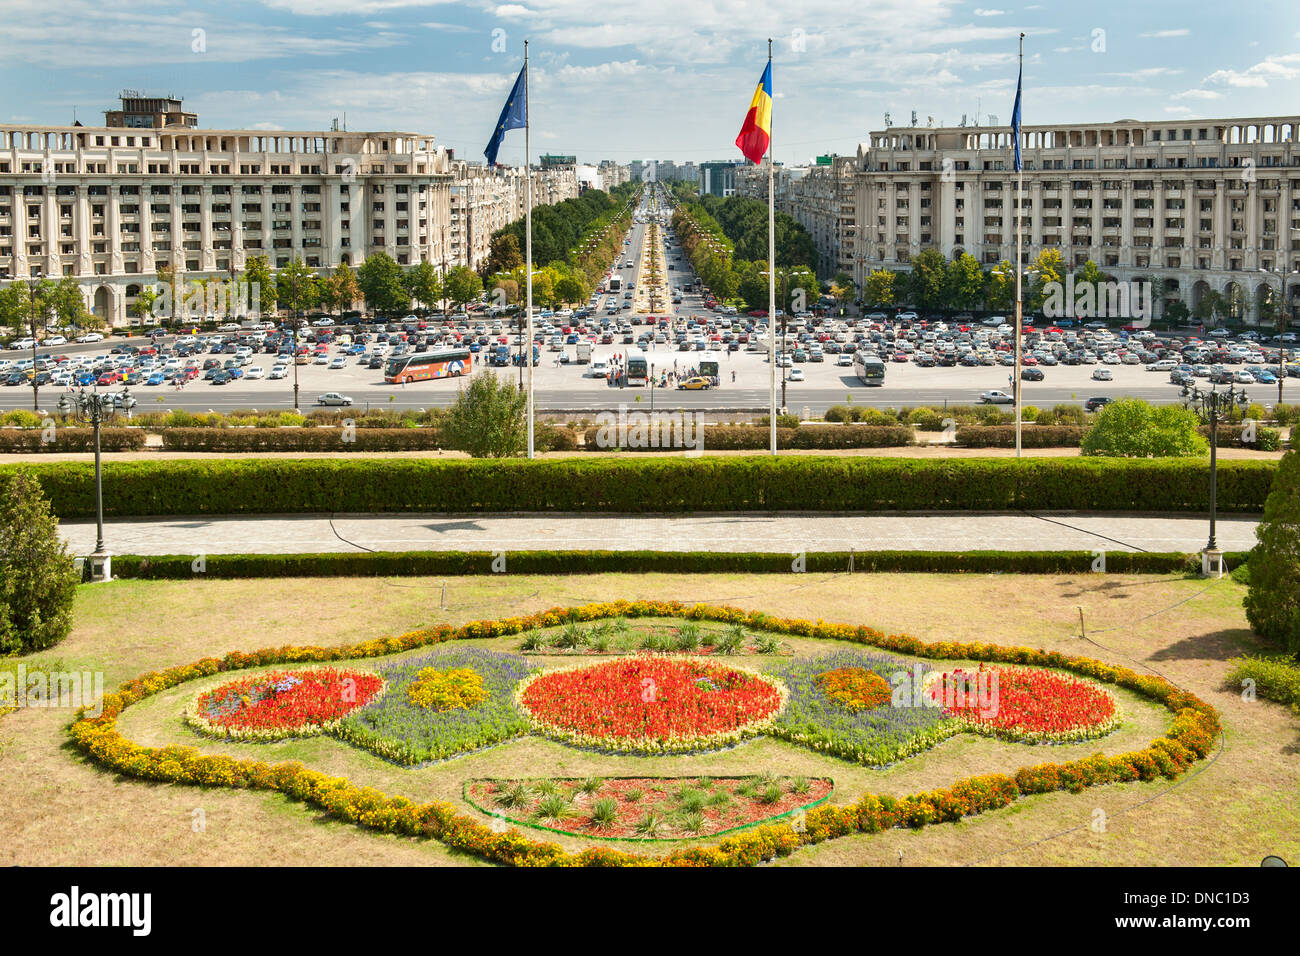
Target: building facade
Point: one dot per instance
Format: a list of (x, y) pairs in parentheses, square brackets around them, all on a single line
[(111, 205), (1195, 205)]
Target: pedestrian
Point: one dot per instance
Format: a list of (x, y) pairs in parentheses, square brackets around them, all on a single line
[(733, 376)]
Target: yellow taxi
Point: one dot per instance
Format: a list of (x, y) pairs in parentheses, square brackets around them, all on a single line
[(696, 383)]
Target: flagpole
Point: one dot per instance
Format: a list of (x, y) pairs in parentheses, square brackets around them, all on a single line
[(771, 276), (1020, 227), (528, 245)]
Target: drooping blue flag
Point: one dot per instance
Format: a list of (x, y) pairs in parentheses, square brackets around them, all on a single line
[(1015, 120), (514, 115)]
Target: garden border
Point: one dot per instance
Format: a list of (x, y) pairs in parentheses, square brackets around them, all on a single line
[(1190, 738)]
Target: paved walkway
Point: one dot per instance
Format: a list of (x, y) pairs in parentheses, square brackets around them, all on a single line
[(294, 534)]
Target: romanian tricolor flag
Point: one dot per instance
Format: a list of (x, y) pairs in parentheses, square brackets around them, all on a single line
[(757, 131)]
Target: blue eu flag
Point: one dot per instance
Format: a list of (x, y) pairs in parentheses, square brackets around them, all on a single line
[(1015, 121), (514, 115)]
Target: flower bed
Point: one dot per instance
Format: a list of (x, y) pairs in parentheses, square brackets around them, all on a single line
[(1190, 737), (1028, 705), (651, 704), (279, 704), (401, 729), (646, 808), (826, 711)]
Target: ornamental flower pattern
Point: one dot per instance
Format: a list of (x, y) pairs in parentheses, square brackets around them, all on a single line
[(277, 704)]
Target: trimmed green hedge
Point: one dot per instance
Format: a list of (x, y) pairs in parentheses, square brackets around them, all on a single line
[(758, 437), (413, 563), (650, 484), (70, 439), (301, 439), (1031, 436)]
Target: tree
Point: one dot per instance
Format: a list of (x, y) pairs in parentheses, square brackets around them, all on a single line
[(297, 287), (1001, 292), (1050, 268), (144, 300), (569, 290), (504, 254), (1212, 304), (462, 285), (339, 289), (1132, 428), (879, 288), (964, 282), (488, 418), (257, 273), (38, 579), (380, 279), (424, 284), (1273, 601), (926, 282), (1176, 313)]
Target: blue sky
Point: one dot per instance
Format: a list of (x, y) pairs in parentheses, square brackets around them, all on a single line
[(631, 79)]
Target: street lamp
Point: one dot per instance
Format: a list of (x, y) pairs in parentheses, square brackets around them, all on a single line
[(1208, 406), (1281, 272), (95, 407)]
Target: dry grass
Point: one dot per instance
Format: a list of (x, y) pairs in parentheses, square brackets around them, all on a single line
[(1233, 809)]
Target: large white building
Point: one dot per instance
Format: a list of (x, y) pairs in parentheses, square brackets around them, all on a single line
[(110, 205), (1199, 204)]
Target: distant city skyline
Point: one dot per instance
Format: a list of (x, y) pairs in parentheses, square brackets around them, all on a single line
[(651, 79)]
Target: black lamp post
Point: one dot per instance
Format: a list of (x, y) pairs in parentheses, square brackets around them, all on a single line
[(95, 407), (1209, 405)]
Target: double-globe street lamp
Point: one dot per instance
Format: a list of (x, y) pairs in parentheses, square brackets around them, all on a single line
[(1208, 406), (94, 408)]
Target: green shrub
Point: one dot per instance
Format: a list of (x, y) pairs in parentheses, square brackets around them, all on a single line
[(487, 419), (1273, 600), (38, 578), (1276, 678), (1132, 428), (839, 414), (301, 439), (639, 484), (22, 418), (927, 419)]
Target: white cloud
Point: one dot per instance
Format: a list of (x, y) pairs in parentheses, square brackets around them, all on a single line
[(1179, 110), (980, 12), (1285, 67), (1165, 34), (1147, 73), (1197, 95)]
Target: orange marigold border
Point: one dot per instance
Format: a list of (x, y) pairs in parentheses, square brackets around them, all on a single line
[(1189, 738)]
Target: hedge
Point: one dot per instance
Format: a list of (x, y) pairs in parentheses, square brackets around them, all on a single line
[(1071, 436), (1276, 678), (759, 437), (1031, 436), (420, 563), (301, 439), (649, 484), (70, 439)]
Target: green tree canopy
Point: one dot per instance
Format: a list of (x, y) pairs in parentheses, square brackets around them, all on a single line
[(1273, 601), (488, 419), (38, 580), (1132, 428)]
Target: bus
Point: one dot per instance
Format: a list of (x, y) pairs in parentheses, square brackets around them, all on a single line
[(615, 283), (709, 366), (443, 363), (638, 369), (870, 370)]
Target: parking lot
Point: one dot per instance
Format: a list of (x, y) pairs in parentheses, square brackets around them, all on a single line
[(682, 334)]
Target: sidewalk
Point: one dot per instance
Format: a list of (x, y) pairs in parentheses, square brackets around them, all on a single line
[(303, 534)]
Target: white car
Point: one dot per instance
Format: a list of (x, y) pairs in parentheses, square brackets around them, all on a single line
[(339, 361), (55, 340), (996, 397), (334, 398), (1102, 375), (321, 359), (796, 375), (322, 323), (279, 371), (844, 359), (254, 372), (89, 337), (24, 343)]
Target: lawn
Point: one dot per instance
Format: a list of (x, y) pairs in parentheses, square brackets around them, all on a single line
[(1234, 808)]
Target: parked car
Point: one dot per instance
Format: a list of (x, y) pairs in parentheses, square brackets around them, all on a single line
[(1102, 375)]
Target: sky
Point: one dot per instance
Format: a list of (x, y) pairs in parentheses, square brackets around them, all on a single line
[(639, 79)]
